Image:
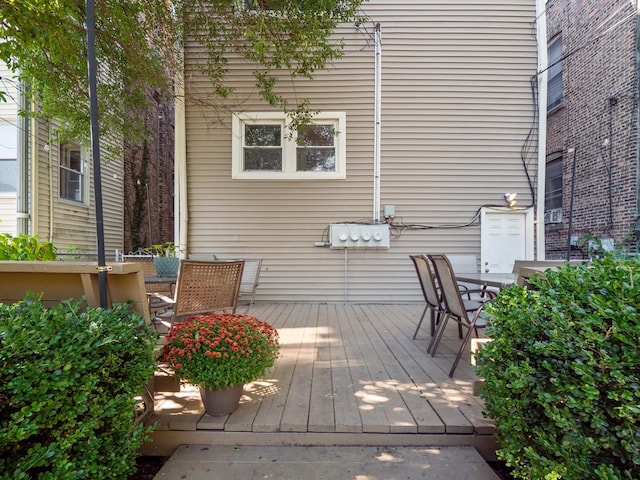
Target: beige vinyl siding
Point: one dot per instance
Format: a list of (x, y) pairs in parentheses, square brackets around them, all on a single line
[(70, 224), (8, 213), (456, 111), (52, 219)]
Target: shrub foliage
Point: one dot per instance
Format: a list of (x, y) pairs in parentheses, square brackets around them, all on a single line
[(563, 373), (68, 378), (25, 247)]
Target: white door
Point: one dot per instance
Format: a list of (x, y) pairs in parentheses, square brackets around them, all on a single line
[(506, 236)]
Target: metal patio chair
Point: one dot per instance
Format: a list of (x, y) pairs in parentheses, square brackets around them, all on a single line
[(426, 277), (202, 288), (455, 308), (249, 282)]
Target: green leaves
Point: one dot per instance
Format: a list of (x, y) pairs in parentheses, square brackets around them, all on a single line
[(563, 373), (139, 49), (68, 378), (25, 247)]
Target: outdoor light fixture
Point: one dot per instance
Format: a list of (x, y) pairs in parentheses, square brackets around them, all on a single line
[(510, 198)]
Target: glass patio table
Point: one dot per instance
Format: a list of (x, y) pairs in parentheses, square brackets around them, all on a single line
[(486, 279)]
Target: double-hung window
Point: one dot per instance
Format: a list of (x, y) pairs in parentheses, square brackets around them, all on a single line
[(72, 173), (264, 147), (554, 75), (8, 156), (553, 190)]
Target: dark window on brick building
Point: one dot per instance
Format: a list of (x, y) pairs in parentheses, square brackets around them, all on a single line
[(553, 190), (554, 74)]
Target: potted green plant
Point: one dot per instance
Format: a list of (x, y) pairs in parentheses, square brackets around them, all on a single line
[(166, 258), (220, 353)]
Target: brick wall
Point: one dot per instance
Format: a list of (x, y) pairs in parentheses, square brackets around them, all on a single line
[(598, 119), (149, 207)]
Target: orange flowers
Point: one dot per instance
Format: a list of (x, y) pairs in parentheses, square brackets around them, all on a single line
[(221, 350)]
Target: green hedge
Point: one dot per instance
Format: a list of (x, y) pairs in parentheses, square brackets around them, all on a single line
[(563, 373), (25, 247), (68, 377)]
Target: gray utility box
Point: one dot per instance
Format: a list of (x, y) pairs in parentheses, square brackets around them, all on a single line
[(359, 235)]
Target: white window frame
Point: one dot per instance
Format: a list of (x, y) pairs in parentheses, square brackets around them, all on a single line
[(82, 173), (289, 146)]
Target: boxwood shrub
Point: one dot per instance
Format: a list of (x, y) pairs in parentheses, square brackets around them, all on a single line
[(68, 378), (563, 373)]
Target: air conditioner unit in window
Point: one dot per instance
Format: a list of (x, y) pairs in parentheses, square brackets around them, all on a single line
[(553, 216)]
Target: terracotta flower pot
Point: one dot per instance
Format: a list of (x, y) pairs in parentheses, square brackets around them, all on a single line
[(223, 401)]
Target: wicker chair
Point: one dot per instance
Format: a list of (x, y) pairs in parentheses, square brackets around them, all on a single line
[(202, 287)]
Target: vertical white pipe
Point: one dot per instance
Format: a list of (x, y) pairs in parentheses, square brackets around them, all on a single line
[(376, 114), (22, 191), (180, 166), (541, 28)]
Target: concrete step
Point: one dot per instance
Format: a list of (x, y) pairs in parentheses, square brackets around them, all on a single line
[(200, 462)]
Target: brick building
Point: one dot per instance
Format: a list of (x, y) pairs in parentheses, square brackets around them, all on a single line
[(148, 186), (592, 130)]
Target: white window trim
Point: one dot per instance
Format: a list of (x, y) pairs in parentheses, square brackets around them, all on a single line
[(288, 146), (84, 154)]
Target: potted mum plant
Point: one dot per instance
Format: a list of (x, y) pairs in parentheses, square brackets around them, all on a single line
[(221, 352), (166, 258)]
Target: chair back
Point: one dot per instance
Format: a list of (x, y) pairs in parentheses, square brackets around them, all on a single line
[(206, 287), (449, 288), (427, 278), (463, 263), (249, 282)]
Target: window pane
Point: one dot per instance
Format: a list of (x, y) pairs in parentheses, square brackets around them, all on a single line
[(70, 185), (8, 141), (315, 151), (257, 4), (316, 135), (263, 159), (316, 160), (553, 185), (71, 172), (8, 175), (554, 74), (263, 135)]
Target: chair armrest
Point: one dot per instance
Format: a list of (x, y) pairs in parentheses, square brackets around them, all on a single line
[(484, 292)]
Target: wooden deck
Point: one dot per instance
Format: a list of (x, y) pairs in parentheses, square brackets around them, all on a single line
[(347, 375)]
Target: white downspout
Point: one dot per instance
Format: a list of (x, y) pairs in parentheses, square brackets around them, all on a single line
[(376, 114), (23, 163), (180, 166), (541, 28)]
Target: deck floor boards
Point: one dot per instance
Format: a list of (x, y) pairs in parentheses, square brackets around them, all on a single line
[(346, 371)]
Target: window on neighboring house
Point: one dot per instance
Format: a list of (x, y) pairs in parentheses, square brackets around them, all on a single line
[(264, 147), (554, 75), (553, 191), (8, 156), (255, 5), (8, 175), (72, 172)]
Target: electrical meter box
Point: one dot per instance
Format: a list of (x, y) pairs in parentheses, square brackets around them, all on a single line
[(359, 235)]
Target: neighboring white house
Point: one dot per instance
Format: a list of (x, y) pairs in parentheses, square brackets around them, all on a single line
[(457, 132), (8, 154), (56, 184)]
